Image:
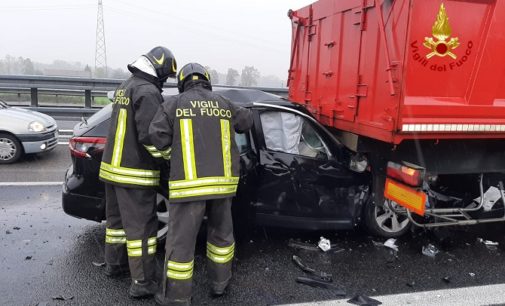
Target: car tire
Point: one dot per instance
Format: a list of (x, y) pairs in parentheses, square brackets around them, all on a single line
[(383, 221), (10, 149), (162, 213)]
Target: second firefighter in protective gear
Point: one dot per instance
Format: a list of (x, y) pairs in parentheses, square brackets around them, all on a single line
[(199, 126), (131, 172)]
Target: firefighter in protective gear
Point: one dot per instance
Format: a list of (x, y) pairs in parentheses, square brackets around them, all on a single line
[(130, 169), (199, 126)]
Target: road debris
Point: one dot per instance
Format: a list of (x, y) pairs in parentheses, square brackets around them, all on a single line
[(98, 264), (319, 275), (446, 279), (391, 243), (302, 245), (28, 257), (17, 228), (411, 284), (324, 244), (471, 274), (491, 245), (491, 196), (8, 232), (62, 298), (430, 250), (320, 284), (364, 300)]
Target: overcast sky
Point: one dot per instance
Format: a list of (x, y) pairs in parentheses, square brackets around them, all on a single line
[(219, 33)]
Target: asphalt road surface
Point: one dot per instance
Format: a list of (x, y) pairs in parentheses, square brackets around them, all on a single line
[(46, 257)]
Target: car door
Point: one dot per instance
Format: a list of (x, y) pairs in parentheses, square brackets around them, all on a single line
[(300, 172)]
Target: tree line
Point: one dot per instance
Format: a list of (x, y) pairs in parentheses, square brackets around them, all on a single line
[(249, 76)]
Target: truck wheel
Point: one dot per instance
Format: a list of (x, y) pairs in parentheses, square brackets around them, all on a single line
[(383, 220), (162, 213), (10, 149)]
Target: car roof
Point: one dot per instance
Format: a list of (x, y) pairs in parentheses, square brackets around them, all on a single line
[(243, 96)]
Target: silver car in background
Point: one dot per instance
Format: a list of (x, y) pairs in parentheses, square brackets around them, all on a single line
[(24, 131)]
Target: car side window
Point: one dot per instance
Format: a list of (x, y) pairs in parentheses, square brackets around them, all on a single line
[(290, 133)]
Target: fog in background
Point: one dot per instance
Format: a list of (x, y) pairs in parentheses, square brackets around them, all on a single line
[(220, 34)]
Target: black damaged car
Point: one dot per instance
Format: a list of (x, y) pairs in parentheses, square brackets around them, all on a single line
[(294, 173)]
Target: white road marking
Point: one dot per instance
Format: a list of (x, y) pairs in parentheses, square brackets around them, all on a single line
[(12, 184), (475, 295)]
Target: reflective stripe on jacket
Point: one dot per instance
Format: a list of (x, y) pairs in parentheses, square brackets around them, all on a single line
[(199, 126), (129, 157)]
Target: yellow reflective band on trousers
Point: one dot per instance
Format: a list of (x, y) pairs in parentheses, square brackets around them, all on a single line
[(204, 181), (220, 255), (134, 247), (126, 175), (115, 236), (117, 152), (180, 270), (226, 146), (188, 149), (201, 191)]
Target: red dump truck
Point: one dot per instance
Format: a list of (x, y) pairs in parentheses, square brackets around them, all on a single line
[(416, 88)]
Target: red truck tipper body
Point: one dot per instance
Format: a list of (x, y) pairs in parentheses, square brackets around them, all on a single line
[(418, 84), (395, 70)]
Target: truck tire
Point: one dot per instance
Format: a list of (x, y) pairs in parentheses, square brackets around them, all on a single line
[(10, 149), (383, 221)]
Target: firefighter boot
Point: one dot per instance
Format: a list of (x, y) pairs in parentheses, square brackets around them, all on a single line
[(142, 289), (218, 289), (161, 300), (116, 271)]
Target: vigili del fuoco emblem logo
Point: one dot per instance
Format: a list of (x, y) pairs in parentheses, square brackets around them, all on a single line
[(441, 30)]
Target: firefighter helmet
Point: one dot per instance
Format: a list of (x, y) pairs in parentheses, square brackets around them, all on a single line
[(163, 62), (190, 72)]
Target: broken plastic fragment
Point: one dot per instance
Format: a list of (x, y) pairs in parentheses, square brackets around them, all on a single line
[(98, 264), (430, 250), (364, 301), (28, 257), (391, 243), (491, 196), (491, 245), (446, 279), (324, 244), (323, 276), (302, 245), (320, 284), (411, 284), (471, 274), (62, 298)]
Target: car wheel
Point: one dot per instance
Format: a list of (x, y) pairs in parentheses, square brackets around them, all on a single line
[(162, 213), (386, 220), (10, 149)]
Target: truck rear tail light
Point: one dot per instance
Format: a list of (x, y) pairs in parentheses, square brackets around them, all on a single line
[(80, 146), (408, 175)]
